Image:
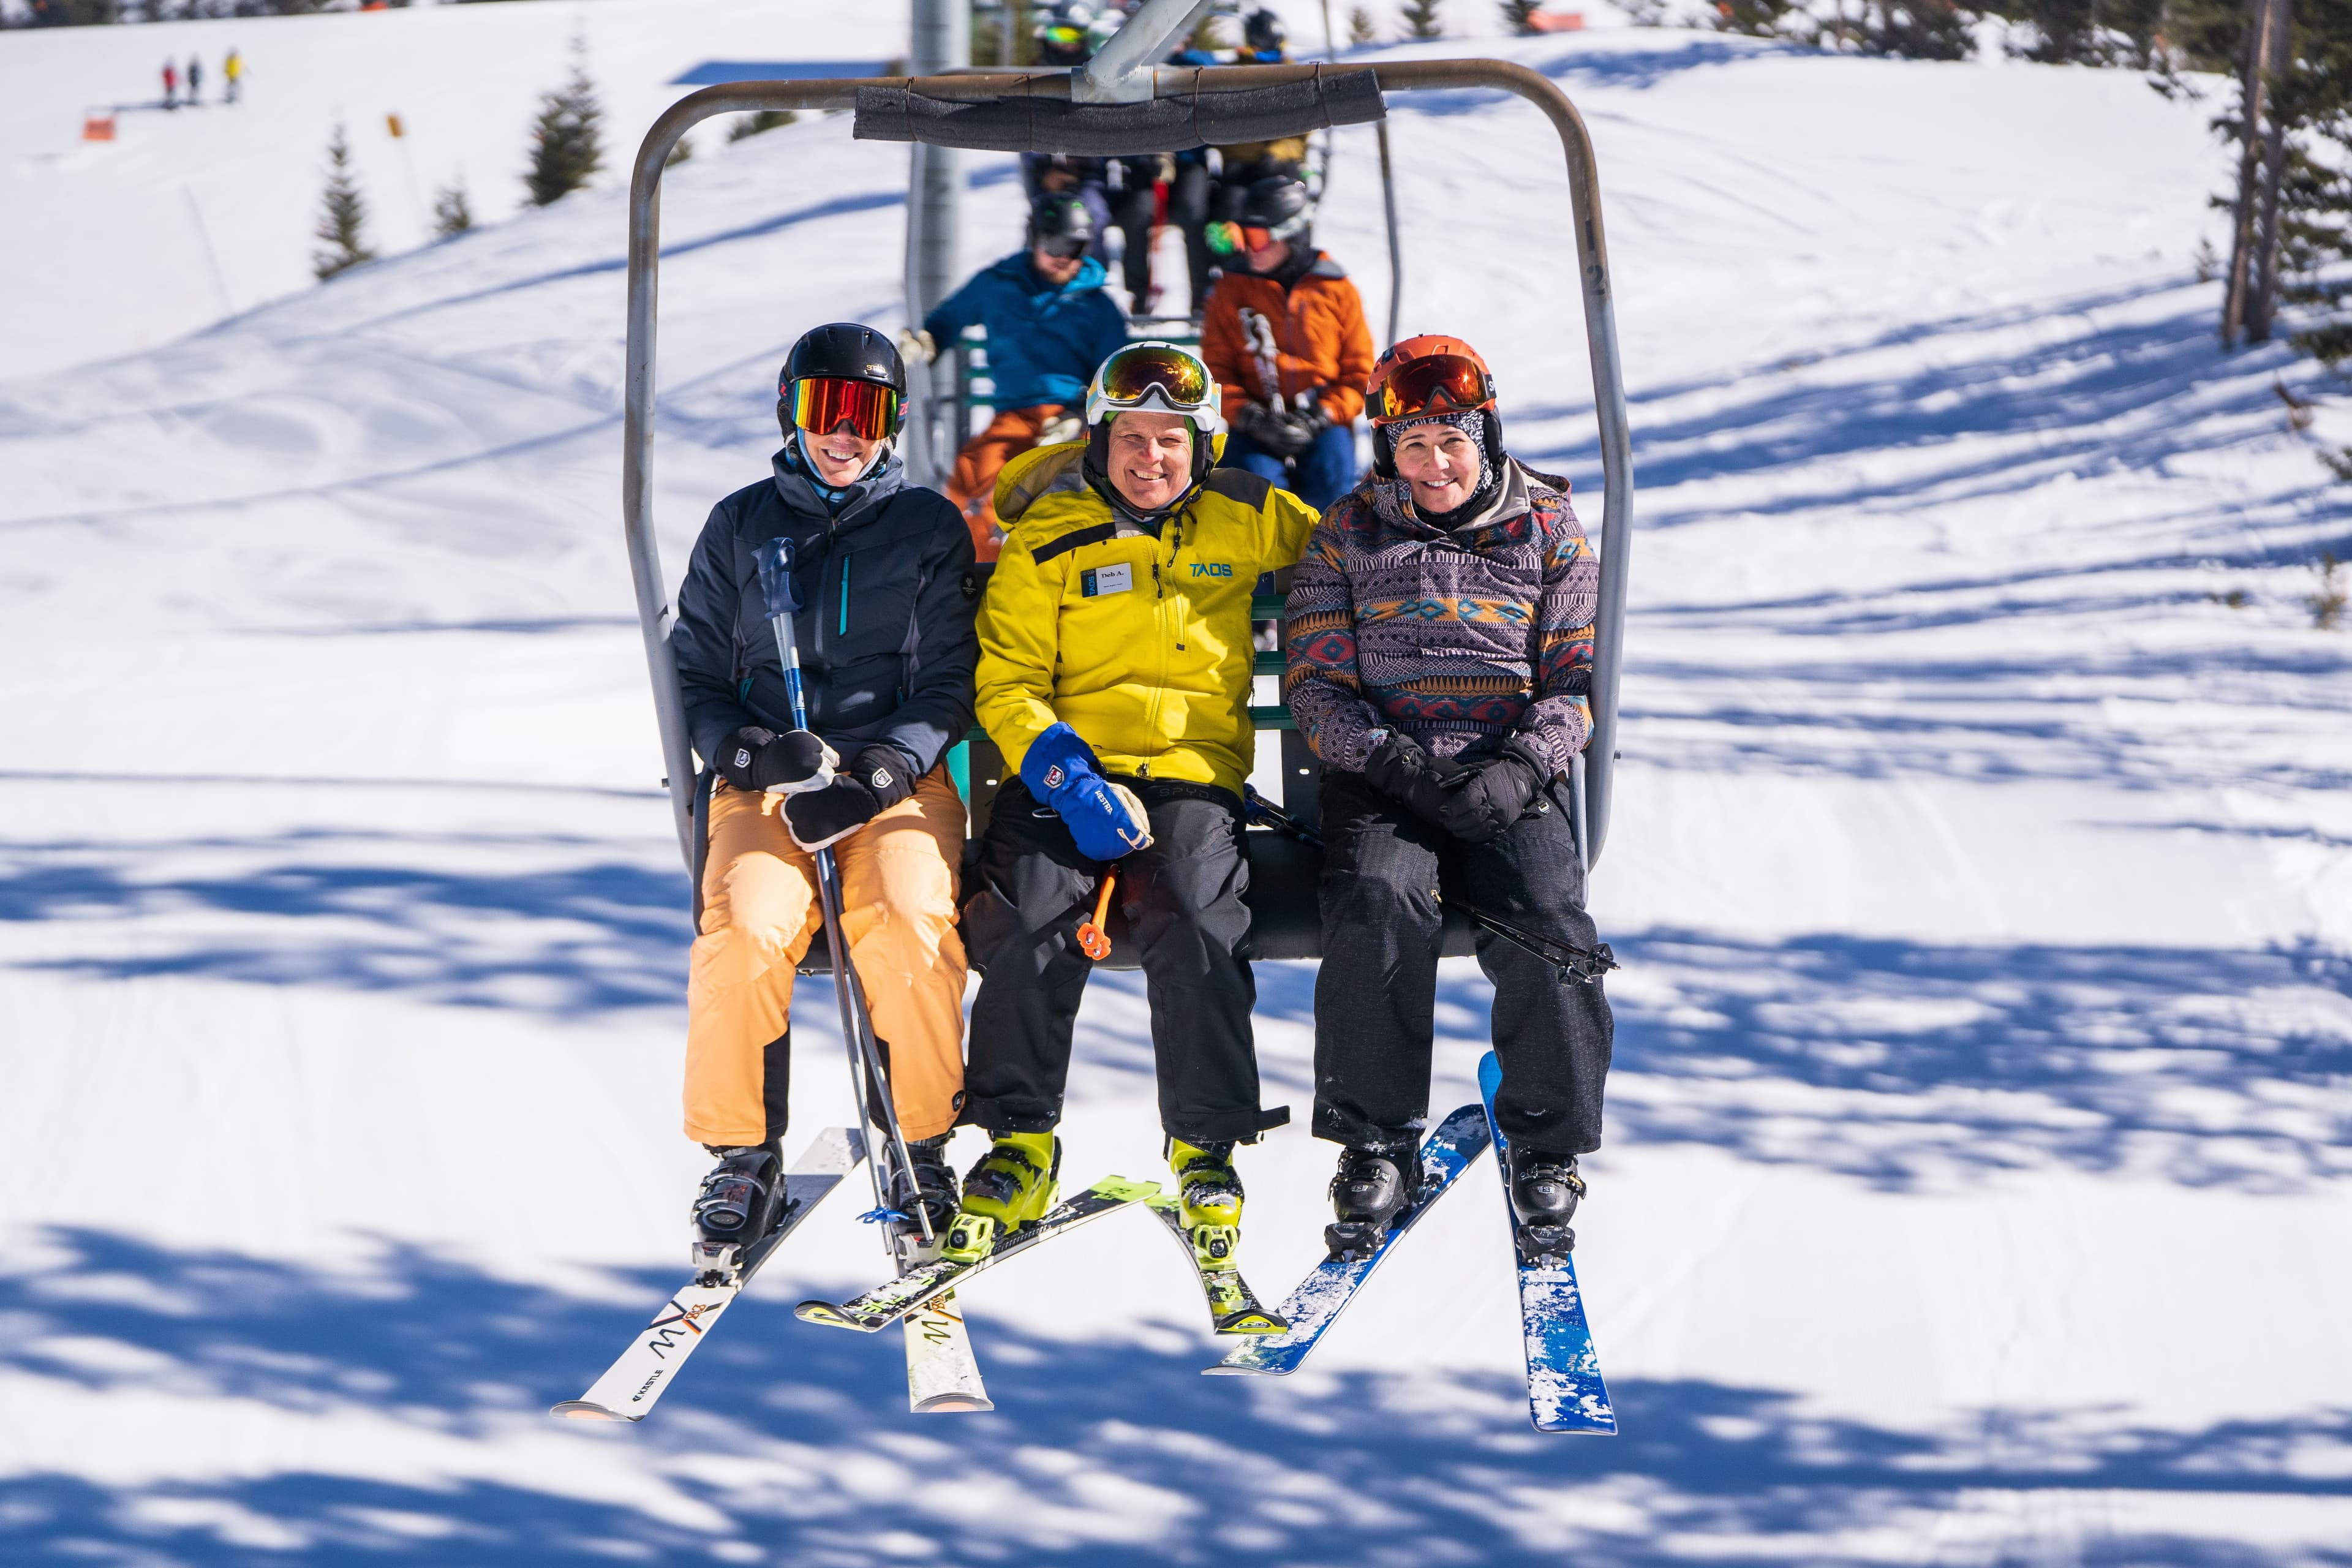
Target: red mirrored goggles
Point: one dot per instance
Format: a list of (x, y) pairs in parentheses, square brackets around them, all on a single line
[(823, 404), (1432, 385)]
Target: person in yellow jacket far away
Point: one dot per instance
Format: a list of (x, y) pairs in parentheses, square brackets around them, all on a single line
[(1115, 665)]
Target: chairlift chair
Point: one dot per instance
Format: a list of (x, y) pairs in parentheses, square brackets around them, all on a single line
[(1121, 105)]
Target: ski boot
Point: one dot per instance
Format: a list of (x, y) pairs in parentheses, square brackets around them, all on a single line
[(1014, 1184), (1209, 1199), (741, 1201), (1374, 1184), (1544, 1192), (935, 1186)]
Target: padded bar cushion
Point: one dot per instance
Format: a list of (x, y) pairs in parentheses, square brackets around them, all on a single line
[(1121, 130)]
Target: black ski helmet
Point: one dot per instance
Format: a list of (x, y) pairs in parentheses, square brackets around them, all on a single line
[(1060, 222), (1279, 205), (846, 350), (1264, 32)]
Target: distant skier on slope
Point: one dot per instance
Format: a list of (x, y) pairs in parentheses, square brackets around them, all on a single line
[(886, 649), (1447, 735), (195, 81), (1049, 324), (170, 84), (1285, 335), (1114, 675), (232, 75)]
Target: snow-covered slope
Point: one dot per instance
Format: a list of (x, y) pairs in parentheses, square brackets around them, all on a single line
[(1976, 1189)]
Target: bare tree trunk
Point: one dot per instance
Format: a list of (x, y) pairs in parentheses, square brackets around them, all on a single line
[(2262, 297), (2254, 227)]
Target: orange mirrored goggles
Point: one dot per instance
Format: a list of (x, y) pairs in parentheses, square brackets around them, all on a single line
[(1130, 374), (1431, 385), (822, 403)]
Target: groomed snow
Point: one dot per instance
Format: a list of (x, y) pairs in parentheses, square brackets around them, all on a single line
[(1977, 1188)]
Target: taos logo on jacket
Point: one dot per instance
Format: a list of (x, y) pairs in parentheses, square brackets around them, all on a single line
[(1212, 569)]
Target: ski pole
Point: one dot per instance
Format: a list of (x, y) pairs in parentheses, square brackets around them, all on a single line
[(782, 596), (1093, 940)]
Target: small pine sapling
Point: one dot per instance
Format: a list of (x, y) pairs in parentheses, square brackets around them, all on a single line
[(1519, 16), (2327, 604), (1360, 30), (764, 120), (1422, 20), (453, 214), (567, 140), (342, 215)]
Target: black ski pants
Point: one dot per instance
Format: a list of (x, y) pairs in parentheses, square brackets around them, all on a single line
[(1182, 900), (1375, 997)]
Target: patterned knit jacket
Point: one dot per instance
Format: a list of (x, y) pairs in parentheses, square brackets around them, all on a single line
[(1461, 640)]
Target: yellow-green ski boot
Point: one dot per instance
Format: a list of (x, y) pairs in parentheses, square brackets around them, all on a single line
[(1011, 1187), (1210, 1200)]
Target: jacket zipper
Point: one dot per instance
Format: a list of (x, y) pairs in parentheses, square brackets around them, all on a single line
[(844, 595)]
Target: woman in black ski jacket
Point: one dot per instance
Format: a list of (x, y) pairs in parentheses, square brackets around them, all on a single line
[(887, 651)]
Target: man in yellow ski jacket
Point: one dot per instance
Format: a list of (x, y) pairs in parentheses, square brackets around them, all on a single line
[(1115, 665)]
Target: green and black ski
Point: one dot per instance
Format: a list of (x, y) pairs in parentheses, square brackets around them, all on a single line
[(887, 1303)]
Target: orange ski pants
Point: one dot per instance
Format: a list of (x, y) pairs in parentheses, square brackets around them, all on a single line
[(760, 912), (972, 485)]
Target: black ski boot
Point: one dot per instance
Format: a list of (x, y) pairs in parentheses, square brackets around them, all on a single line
[(935, 1185), (741, 1202), (1374, 1184), (1544, 1191)]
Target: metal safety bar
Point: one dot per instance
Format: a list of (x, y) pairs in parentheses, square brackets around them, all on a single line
[(1103, 120)]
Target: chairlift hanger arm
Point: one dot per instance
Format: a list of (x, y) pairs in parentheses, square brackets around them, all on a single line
[(1183, 83)]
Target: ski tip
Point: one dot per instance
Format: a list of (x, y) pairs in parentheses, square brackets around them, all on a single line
[(824, 1312), (953, 1404), (583, 1410)]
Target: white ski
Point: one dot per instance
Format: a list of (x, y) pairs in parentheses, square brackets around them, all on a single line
[(942, 1375), (644, 1373)]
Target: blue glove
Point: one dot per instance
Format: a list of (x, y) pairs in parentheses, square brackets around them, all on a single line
[(1103, 818)]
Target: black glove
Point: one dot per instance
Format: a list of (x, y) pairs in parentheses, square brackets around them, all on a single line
[(1256, 421), (758, 759), (875, 780), (1494, 796), (1400, 769)]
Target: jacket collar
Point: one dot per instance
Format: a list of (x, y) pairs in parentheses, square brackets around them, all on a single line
[(853, 505)]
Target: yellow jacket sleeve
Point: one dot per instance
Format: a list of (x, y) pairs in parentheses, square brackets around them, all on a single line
[(1018, 641), (1291, 521)]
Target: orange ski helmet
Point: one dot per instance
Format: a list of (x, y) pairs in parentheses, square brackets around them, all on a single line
[(1430, 374)]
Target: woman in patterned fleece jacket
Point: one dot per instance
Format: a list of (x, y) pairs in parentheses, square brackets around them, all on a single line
[(1439, 634)]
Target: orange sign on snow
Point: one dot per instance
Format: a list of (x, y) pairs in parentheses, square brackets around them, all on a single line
[(391, 123), (1557, 21), (98, 127)]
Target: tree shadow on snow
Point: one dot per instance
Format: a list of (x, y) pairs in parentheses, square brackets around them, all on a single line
[(232, 1410), (1905, 1064)]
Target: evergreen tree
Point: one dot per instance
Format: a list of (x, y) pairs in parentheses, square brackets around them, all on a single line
[(679, 152), (1756, 18), (342, 218), (567, 142), (2086, 32), (1519, 16), (764, 120), (1420, 19), (1360, 30), (1918, 29), (452, 213)]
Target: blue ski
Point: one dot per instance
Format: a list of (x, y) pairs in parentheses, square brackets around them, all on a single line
[(1323, 1294), (1565, 1392)]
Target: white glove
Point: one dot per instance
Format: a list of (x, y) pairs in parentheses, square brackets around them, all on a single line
[(916, 343), (1062, 427)]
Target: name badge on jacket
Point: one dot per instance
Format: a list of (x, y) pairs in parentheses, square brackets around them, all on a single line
[(1104, 579)]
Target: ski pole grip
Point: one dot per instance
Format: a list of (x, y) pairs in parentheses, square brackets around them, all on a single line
[(776, 585)]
